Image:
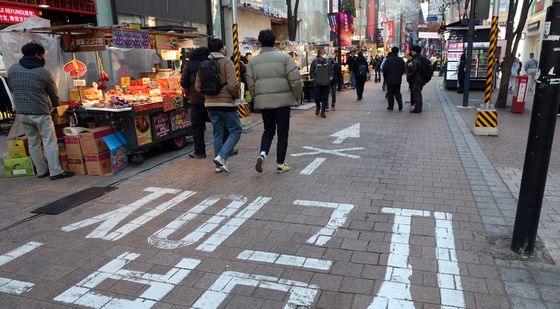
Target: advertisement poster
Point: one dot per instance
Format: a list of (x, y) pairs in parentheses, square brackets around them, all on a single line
[(161, 125), (345, 27), (179, 119), (143, 129)]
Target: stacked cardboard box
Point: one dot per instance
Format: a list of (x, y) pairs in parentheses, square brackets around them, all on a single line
[(96, 154), (18, 163), (74, 155)]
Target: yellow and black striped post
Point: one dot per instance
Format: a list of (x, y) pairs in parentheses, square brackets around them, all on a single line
[(236, 53), (491, 62)]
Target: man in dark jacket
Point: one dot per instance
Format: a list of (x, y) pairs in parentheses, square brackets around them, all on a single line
[(35, 95), (334, 81), (415, 78), (393, 70), (350, 62), (361, 70), (461, 73), (197, 111)]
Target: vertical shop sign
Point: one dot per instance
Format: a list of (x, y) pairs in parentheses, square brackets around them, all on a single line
[(15, 15), (333, 25)]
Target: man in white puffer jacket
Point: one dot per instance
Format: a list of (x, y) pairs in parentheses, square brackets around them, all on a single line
[(275, 84)]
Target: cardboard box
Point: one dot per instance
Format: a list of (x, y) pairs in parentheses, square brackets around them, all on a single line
[(19, 148), (63, 158), (59, 116), (77, 166), (117, 151), (98, 164), (16, 167), (92, 142), (73, 149)]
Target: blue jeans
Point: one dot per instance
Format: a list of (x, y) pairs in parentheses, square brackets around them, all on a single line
[(321, 94), (231, 122), (353, 80)]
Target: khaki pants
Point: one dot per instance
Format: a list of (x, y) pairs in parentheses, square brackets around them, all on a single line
[(41, 128)]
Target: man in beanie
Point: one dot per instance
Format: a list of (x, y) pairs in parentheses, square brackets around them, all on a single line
[(35, 96)]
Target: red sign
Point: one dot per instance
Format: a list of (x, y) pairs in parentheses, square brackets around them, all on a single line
[(15, 15), (345, 28)]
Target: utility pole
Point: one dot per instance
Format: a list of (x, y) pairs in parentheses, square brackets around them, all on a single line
[(236, 53), (541, 136), (339, 26), (470, 36)]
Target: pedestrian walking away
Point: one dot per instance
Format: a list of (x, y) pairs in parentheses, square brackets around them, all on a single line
[(393, 71), (377, 67), (275, 84), (334, 82), (350, 60), (515, 68), (419, 70), (362, 70), (217, 80), (197, 111), (531, 67), (35, 95), (321, 73), (461, 70)]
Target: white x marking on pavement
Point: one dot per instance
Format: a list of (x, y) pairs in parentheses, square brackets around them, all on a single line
[(336, 152)]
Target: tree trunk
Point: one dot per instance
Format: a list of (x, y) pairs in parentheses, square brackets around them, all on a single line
[(513, 38), (292, 19)]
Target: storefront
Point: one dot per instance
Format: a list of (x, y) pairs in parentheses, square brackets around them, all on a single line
[(58, 12), (456, 45), (531, 41), (107, 114)]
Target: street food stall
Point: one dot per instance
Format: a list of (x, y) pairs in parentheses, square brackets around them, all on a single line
[(146, 106)]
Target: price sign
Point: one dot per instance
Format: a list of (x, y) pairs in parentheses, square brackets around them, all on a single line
[(79, 82)]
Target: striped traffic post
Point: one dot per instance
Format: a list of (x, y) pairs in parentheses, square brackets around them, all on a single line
[(486, 122), (243, 110)]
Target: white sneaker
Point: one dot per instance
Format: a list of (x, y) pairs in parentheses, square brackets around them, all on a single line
[(222, 163), (259, 166), (219, 170)]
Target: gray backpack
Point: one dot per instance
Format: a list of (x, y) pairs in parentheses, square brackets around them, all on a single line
[(322, 76)]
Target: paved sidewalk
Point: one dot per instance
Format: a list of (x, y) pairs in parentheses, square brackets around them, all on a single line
[(381, 209)]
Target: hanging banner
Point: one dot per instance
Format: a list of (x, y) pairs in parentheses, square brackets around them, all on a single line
[(371, 20), (15, 15), (346, 28), (391, 28)]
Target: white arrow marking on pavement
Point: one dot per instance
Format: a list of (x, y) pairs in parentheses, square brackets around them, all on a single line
[(11, 286), (351, 131), (336, 152)]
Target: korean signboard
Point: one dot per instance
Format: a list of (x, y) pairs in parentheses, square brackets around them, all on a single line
[(14, 14)]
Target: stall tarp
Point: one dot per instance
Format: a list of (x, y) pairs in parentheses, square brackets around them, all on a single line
[(14, 37)]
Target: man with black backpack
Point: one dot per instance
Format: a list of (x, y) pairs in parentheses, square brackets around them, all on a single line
[(197, 111), (361, 68), (321, 72), (217, 81), (419, 74)]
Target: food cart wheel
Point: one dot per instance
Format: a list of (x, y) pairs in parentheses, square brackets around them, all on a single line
[(137, 158), (177, 143)]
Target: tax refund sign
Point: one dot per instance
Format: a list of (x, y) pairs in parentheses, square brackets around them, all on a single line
[(15, 15)]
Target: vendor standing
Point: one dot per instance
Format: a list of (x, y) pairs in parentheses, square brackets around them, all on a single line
[(35, 94)]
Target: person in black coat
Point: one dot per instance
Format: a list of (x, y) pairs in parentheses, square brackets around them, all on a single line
[(461, 73), (197, 111), (393, 70), (361, 70)]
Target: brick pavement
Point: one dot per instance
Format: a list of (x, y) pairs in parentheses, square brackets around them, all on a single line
[(504, 156), (394, 224)]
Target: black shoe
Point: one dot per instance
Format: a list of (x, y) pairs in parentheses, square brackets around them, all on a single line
[(415, 111), (63, 175), (400, 107), (389, 108), (197, 156), (44, 175)]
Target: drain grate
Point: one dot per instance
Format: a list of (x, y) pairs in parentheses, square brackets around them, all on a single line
[(73, 200)]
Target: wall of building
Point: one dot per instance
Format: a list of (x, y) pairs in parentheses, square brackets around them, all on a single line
[(251, 23), (182, 11)]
